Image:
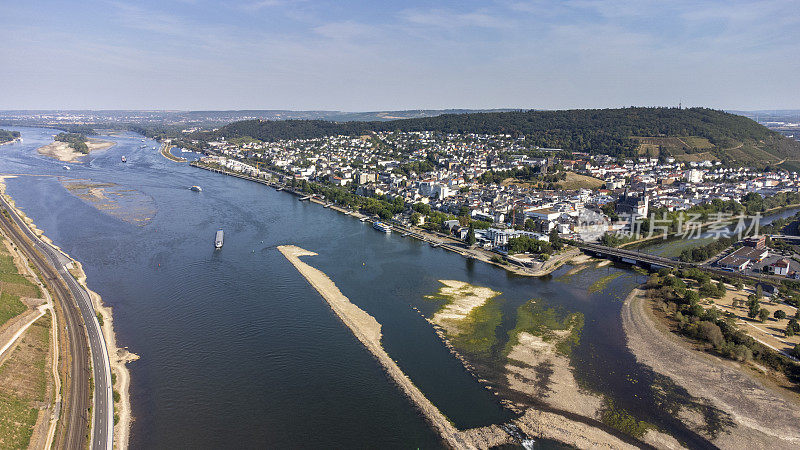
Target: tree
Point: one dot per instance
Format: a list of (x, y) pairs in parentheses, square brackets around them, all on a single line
[(796, 351), (555, 239), (415, 218), (422, 208), (754, 307), (779, 314), (763, 314), (793, 326), (471, 236), (691, 297), (759, 289)]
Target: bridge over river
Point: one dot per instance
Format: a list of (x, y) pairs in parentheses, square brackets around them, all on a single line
[(656, 262)]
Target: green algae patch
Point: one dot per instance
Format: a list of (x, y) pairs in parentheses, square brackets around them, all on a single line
[(561, 329), (469, 316), (622, 420), (477, 333), (602, 283)]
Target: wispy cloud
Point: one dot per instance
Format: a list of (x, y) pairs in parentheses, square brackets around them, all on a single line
[(444, 19), (261, 4), (345, 30)]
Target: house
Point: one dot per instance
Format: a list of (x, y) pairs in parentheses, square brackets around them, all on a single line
[(780, 267), (768, 289), (758, 242), (733, 263), (751, 253)]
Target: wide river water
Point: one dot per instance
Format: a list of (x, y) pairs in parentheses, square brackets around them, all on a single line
[(238, 350)]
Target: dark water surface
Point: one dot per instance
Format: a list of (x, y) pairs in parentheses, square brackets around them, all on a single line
[(238, 350)]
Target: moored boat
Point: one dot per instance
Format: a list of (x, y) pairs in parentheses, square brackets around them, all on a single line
[(380, 226)]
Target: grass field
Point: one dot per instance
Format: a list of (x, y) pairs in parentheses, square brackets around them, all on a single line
[(23, 385), (575, 182), (12, 287)]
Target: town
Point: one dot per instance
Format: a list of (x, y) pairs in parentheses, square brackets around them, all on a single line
[(497, 185)]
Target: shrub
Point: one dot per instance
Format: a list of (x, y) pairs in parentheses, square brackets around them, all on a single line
[(710, 333), (779, 314)]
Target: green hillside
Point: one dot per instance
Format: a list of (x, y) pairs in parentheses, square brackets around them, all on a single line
[(694, 133)]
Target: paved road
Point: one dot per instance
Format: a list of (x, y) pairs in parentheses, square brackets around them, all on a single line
[(76, 426)]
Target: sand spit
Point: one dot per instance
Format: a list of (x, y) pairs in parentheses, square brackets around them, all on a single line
[(763, 419), (463, 298), (368, 331), (63, 152)]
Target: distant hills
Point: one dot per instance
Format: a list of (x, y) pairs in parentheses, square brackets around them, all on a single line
[(690, 134), (686, 134)]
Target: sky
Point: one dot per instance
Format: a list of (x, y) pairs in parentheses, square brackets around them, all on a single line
[(368, 55)]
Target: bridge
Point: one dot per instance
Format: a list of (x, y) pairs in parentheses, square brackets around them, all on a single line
[(783, 236), (633, 257), (658, 262)]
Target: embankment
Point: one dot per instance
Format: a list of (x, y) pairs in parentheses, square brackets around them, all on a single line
[(165, 152), (118, 357)]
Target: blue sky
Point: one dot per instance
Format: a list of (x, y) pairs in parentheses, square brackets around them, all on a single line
[(359, 55)]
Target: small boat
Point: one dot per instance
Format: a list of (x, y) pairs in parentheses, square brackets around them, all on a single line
[(363, 219), (124, 159), (196, 188), (66, 168), (218, 240), (380, 226)]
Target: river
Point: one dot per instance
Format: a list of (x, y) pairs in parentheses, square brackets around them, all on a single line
[(237, 350)]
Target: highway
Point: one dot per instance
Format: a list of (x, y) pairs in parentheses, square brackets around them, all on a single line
[(66, 288)]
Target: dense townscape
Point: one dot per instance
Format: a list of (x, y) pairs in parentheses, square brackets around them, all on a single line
[(498, 181)]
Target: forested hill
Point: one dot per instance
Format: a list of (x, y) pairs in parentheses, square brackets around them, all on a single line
[(615, 132)]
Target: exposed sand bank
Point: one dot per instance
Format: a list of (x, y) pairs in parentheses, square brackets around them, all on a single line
[(536, 369), (462, 298), (761, 417), (63, 152), (534, 423)]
